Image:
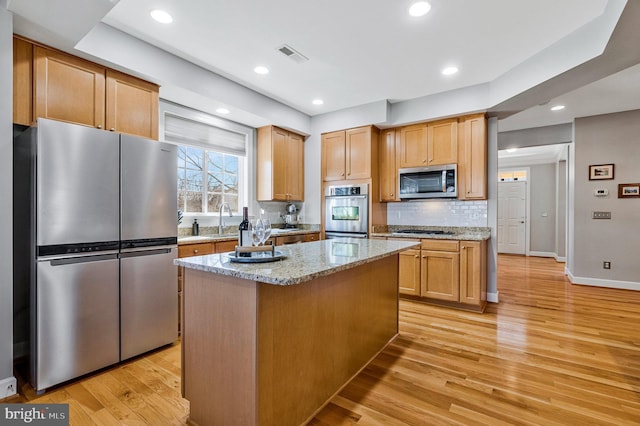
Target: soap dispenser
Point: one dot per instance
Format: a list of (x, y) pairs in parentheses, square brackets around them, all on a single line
[(195, 228)]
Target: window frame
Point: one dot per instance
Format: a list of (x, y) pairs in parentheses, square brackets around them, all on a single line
[(246, 173)]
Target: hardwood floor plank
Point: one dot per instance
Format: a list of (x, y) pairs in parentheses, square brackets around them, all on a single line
[(550, 353)]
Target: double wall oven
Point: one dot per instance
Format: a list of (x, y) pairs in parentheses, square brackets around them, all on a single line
[(346, 211)]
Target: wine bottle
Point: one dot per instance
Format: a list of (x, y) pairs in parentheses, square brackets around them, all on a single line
[(244, 237)]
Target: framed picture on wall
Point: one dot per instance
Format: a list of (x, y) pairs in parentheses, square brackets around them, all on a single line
[(601, 172), (629, 190)]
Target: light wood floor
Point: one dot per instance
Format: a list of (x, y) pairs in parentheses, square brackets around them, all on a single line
[(550, 353)]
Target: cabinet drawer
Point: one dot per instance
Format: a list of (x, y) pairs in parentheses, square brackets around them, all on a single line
[(199, 249), (225, 246), (441, 245), (312, 237)]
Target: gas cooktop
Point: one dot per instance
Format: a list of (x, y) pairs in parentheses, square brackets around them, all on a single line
[(424, 231)]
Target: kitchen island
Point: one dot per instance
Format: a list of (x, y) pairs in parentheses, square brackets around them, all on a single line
[(272, 343)]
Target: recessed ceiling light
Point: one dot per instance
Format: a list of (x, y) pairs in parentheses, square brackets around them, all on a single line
[(317, 102), (261, 70), (419, 8), (222, 111), (161, 16), (557, 107), (512, 150), (450, 70)]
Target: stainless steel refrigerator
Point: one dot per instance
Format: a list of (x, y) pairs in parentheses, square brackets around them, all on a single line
[(95, 235)]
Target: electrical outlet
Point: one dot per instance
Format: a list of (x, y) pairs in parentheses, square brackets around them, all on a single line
[(606, 264), (601, 215)]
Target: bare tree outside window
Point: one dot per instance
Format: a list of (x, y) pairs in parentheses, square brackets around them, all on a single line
[(206, 175)]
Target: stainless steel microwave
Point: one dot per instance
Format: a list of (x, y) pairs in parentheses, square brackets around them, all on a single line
[(428, 182)]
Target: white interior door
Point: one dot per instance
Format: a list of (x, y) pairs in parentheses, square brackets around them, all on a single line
[(512, 207)]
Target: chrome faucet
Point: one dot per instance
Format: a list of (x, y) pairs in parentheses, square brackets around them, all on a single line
[(220, 224)]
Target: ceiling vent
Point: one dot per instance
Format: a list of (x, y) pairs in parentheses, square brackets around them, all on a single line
[(292, 54)]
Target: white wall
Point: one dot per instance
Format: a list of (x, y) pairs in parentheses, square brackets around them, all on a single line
[(542, 181), (6, 212), (606, 139)]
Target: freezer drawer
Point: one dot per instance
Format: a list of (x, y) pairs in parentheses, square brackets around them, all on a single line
[(76, 325), (149, 300)]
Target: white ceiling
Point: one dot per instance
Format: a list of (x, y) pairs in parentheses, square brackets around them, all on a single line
[(532, 155), (363, 51), (359, 51)]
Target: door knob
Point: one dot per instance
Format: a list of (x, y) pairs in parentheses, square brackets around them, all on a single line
[(522, 221)]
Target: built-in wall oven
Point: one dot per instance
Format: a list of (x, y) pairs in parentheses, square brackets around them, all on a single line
[(346, 211)]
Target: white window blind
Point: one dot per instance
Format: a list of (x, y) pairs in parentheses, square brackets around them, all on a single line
[(184, 131)]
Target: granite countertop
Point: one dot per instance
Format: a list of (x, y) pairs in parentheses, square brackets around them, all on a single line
[(230, 237), (451, 232), (303, 262)]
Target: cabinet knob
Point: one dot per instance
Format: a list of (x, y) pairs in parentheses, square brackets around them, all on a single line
[(112, 129), (195, 251), (391, 194), (341, 174), (424, 161), (99, 126)]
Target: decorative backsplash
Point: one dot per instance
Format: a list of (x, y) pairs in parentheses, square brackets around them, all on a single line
[(438, 213)]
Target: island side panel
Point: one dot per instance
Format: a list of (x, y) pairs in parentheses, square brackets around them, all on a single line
[(219, 347), (316, 336)]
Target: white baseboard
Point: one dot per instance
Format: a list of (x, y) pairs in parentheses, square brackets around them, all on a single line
[(542, 254), (597, 282), (492, 297), (8, 387), (561, 259)]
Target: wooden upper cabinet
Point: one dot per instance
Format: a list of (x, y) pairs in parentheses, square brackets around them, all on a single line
[(413, 150), (333, 156), (429, 144), (68, 88), (472, 158), (22, 82), (388, 166), (347, 154), (442, 141), (131, 105), (52, 84), (280, 165), (358, 153)]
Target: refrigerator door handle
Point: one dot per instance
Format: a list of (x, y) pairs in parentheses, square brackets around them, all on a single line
[(83, 259), (146, 252)]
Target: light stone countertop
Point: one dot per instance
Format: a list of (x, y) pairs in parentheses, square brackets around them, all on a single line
[(303, 262), (276, 232), (458, 232)]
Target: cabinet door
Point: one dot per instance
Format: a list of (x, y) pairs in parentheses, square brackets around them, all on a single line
[(295, 168), (22, 82), (443, 143), (333, 156), (472, 164), (440, 275), (388, 168), (280, 160), (68, 88), (414, 151), (409, 272), (198, 249), (473, 273), (132, 105), (358, 153)]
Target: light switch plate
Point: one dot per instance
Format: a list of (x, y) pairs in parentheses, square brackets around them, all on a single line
[(601, 215)]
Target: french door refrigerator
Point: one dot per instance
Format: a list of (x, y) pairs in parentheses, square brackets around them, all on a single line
[(99, 209)]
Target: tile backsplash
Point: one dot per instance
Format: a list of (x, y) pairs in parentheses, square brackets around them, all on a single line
[(438, 213)]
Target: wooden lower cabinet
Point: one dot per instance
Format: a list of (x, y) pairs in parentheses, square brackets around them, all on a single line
[(447, 272), (409, 272), (440, 273)]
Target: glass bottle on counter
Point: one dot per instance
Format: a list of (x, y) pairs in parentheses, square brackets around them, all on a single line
[(244, 236), (195, 228)]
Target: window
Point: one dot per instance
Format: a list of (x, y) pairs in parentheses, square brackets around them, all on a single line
[(206, 179), (512, 175), (212, 159)]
